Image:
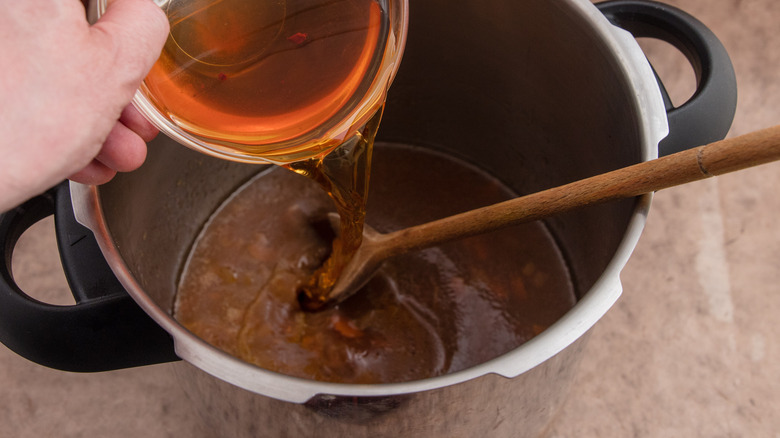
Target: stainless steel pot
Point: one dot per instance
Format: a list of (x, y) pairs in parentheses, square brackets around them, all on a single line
[(538, 93)]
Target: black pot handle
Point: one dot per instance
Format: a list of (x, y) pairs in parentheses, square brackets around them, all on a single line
[(706, 117), (104, 330)]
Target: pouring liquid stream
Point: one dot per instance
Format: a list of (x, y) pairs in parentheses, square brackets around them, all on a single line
[(344, 174)]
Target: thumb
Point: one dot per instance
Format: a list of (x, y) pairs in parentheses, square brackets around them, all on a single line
[(132, 34)]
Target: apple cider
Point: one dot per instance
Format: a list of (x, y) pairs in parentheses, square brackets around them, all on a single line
[(260, 73)]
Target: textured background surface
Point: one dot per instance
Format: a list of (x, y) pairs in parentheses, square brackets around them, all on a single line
[(692, 349)]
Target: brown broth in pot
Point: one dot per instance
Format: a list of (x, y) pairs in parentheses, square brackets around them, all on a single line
[(427, 313)]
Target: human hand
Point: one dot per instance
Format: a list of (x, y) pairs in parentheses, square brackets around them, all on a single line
[(65, 90)]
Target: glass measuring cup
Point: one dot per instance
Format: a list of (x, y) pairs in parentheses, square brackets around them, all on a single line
[(274, 81)]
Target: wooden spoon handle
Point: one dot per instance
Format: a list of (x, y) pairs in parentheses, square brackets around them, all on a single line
[(683, 167)]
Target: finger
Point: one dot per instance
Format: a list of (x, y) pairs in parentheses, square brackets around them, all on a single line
[(123, 151), (95, 173), (138, 123), (132, 32)]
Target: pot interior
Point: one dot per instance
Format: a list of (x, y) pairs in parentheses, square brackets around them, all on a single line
[(524, 90)]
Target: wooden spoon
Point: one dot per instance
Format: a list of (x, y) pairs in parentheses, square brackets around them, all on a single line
[(683, 167)]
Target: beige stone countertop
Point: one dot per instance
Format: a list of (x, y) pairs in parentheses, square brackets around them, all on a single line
[(691, 349)]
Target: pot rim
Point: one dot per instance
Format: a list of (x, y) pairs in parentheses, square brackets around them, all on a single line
[(652, 125)]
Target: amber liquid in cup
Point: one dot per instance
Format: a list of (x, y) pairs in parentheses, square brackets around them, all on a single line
[(269, 79)]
